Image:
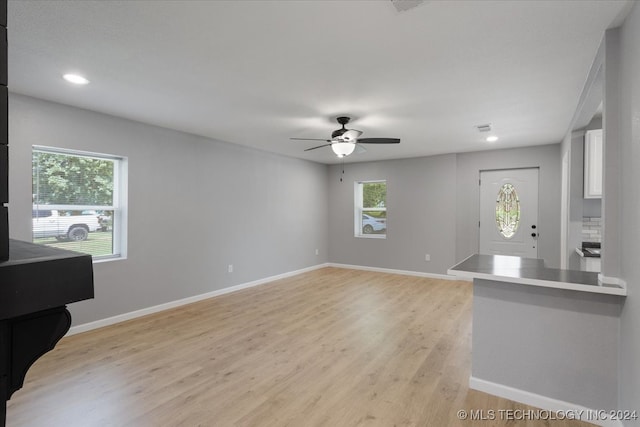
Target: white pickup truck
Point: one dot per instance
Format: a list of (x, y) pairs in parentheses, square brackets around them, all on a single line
[(51, 223)]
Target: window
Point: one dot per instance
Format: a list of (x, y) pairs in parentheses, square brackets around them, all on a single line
[(371, 209), (507, 211), (78, 201)]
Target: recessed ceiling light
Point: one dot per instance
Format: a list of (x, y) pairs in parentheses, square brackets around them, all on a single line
[(75, 79), (492, 138)]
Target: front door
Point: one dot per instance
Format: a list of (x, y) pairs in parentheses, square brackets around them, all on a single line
[(509, 212)]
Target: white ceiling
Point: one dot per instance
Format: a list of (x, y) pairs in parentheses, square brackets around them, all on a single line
[(259, 72)]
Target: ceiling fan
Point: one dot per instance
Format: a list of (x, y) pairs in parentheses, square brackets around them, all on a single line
[(343, 141)]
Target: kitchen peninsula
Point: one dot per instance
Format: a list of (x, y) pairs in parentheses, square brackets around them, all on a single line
[(542, 336)]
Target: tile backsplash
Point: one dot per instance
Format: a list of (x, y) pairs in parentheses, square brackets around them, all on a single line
[(591, 229)]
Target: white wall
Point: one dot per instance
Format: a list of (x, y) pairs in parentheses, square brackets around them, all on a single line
[(195, 206)]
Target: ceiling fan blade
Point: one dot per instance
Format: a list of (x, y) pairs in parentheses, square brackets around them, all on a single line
[(319, 146), (351, 134), (359, 149), (379, 141), (311, 139)]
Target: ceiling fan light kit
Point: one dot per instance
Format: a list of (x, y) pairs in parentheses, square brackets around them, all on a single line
[(343, 149), (343, 141)]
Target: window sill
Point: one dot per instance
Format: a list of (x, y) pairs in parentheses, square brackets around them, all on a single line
[(108, 259), (371, 236)]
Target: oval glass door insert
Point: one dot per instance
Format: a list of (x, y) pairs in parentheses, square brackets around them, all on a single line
[(507, 211)]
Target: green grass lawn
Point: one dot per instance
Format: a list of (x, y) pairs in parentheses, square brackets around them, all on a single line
[(98, 243)]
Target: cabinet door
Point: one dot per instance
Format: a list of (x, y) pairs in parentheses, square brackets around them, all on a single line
[(593, 164)]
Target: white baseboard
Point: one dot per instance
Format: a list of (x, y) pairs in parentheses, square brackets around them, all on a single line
[(543, 402), (157, 308), (172, 304), (394, 271)]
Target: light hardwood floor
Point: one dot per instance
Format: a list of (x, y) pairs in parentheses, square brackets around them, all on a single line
[(332, 347)]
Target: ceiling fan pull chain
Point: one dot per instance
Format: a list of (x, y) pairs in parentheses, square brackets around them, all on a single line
[(342, 169)]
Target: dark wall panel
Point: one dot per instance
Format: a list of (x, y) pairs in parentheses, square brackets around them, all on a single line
[(4, 115), (3, 13), (4, 235), (4, 140), (3, 55), (4, 167)]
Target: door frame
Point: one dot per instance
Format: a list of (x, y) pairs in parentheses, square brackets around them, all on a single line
[(479, 200)]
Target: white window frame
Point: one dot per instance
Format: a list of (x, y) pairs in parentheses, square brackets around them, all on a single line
[(358, 210), (118, 206)]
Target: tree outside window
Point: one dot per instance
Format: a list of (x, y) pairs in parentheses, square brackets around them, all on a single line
[(76, 201), (371, 209)]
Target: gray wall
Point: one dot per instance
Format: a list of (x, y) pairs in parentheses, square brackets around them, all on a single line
[(629, 113), (469, 165), (433, 207), (572, 153), (619, 55), (611, 147), (420, 214), (556, 343), (195, 206), (592, 207)]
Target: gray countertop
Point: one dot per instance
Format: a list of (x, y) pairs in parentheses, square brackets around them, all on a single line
[(530, 271)]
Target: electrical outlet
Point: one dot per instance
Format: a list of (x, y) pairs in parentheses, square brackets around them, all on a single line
[(427, 257), (317, 252), (230, 268)]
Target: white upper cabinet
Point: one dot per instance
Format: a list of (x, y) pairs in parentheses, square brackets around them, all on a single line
[(593, 164)]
